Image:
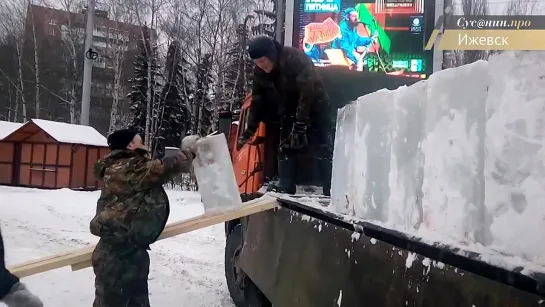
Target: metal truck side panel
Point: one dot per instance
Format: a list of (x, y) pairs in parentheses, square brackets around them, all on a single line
[(301, 261)]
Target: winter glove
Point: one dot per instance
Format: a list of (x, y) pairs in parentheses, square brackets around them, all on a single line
[(189, 143), (298, 137), (20, 296), (244, 138), (188, 155)]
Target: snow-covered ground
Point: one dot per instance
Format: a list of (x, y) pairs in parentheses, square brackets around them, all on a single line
[(185, 271)]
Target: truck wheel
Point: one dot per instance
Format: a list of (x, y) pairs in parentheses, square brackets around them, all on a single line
[(234, 275), (253, 297), (243, 291)]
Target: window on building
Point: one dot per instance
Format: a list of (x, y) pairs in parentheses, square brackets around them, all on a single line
[(52, 22), (101, 29), (99, 62)]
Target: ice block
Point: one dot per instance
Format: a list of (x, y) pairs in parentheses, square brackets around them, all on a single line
[(453, 148), (215, 174), (406, 172), (369, 180), (342, 159)]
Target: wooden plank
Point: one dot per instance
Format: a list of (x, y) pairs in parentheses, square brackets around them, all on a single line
[(263, 203), (51, 263), (81, 258), (82, 265)]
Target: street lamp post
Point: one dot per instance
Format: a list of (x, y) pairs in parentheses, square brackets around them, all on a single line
[(89, 56)]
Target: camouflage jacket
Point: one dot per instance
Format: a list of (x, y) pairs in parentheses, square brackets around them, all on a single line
[(293, 88), (133, 206)]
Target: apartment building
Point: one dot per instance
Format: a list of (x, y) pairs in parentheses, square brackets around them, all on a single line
[(114, 41)]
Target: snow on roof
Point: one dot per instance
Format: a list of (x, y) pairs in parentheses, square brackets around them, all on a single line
[(71, 133), (6, 128)]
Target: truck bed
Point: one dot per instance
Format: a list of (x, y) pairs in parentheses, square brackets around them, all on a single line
[(303, 255)]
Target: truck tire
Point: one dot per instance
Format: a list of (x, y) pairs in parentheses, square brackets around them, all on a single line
[(235, 282), (253, 297), (244, 292)]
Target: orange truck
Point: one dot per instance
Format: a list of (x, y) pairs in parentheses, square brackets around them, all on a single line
[(302, 255)]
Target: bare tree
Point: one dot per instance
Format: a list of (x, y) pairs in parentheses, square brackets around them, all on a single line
[(12, 21), (208, 28), (72, 36), (117, 41), (521, 7), (147, 14), (220, 33), (37, 83), (471, 8), (264, 21), (188, 27)]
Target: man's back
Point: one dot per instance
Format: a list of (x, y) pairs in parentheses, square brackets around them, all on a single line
[(133, 206), (131, 213)]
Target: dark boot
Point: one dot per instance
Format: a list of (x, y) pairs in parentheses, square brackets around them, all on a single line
[(325, 167), (286, 175)]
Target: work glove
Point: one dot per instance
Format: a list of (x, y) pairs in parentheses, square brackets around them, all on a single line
[(19, 295), (244, 138), (298, 137), (189, 143)]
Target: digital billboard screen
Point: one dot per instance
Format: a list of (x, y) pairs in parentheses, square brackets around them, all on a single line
[(366, 35)]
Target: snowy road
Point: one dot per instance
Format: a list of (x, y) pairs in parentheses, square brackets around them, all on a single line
[(185, 271)]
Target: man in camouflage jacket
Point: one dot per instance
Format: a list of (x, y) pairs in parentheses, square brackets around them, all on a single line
[(132, 212), (286, 83)]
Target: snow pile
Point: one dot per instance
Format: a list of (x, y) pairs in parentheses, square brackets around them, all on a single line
[(458, 157), (185, 270)]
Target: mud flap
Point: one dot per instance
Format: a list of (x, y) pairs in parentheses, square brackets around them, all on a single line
[(299, 261)]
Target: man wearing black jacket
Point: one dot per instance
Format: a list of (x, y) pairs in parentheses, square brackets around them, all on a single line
[(13, 292), (286, 83)]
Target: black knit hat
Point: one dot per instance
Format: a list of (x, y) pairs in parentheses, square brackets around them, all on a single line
[(120, 139), (262, 46)]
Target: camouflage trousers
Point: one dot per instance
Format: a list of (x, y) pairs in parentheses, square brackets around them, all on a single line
[(121, 276)]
